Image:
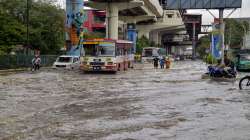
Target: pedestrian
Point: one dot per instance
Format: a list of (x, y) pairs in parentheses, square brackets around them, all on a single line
[(156, 61), (162, 62), (168, 63), (36, 62)]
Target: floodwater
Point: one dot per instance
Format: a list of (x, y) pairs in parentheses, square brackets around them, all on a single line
[(140, 104)]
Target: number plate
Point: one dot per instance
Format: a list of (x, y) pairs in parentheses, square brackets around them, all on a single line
[(97, 68)]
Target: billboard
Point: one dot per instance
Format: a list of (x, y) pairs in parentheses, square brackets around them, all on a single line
[(216, 44), (202, 4)]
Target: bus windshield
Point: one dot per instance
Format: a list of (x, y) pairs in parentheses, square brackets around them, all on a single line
[(148, 53), (101, 49)]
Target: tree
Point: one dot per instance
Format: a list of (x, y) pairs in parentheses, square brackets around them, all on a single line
[(203, 45), (46, 25), (141, 43), (12, 30), (234, 32)]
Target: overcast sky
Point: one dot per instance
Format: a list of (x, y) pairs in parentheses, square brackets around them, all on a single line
[(207, 18)]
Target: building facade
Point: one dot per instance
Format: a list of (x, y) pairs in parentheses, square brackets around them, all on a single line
[(95, 22)]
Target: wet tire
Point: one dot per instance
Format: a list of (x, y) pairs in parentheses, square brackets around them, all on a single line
[(245, 83), (119, 67)]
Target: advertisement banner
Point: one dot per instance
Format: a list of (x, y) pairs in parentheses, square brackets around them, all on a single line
[(215, 45), (216, 49)]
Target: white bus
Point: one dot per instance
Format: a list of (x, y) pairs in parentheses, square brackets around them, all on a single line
[(148, 53), (106, 55)]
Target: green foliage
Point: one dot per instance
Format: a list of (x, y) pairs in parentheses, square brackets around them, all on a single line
[(141, 43), (234, 32), (46, 25), (209, 59), (203, 45)]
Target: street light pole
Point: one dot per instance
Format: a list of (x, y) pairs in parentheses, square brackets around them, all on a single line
[(27, 24), (194, 41), (222, 28)]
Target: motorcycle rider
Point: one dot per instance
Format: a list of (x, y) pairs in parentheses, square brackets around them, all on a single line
[(227, 69), (229, 65)]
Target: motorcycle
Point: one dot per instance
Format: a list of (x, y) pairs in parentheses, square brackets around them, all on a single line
[(216, 72)]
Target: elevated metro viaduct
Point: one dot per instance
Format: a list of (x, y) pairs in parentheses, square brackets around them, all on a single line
[(147, 18), (128, 11)]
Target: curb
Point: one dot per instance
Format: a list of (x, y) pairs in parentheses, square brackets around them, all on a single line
[(13, 70), (20, 70)]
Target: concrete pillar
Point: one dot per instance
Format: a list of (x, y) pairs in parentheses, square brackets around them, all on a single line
[(74, 20), (112, 21), (154, 37), (160, 39)]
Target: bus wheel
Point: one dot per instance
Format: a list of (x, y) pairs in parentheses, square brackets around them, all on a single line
[(119, 67), (125, 66)]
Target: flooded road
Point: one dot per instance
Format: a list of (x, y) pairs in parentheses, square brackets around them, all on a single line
[(140, 104)]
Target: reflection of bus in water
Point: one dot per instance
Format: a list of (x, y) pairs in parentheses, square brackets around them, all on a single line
[(106, 55), (149, 53)]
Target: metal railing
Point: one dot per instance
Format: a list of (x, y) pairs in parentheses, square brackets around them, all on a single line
[(19, 61)]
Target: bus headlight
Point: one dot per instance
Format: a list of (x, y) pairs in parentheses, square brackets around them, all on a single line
[(86, 59), (84, 63)]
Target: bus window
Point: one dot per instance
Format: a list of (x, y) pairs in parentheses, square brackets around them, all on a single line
[(119, 51), (125, 51), (90, 50), (99, 50), (130, 51), (106, 50)]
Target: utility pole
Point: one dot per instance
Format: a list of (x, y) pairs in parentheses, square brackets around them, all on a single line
[(193, 37), (27, 24), (222, 28), (194, 40)]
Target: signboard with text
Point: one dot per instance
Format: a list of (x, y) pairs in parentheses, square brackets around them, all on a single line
[(202, 4)]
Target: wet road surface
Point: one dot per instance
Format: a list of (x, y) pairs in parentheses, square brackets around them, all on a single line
[(140, 104)]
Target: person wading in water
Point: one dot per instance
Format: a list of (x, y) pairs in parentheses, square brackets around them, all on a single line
[(156, 61)]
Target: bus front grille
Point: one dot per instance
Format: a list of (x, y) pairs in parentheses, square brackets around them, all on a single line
[(97, 63)]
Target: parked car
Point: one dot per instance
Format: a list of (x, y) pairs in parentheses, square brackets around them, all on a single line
[(67, 62), (243, 62)]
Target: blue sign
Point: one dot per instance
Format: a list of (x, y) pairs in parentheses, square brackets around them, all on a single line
[(132, 35), (216, 53)]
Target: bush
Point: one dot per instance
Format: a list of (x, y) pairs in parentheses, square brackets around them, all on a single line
[(210, 59)]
